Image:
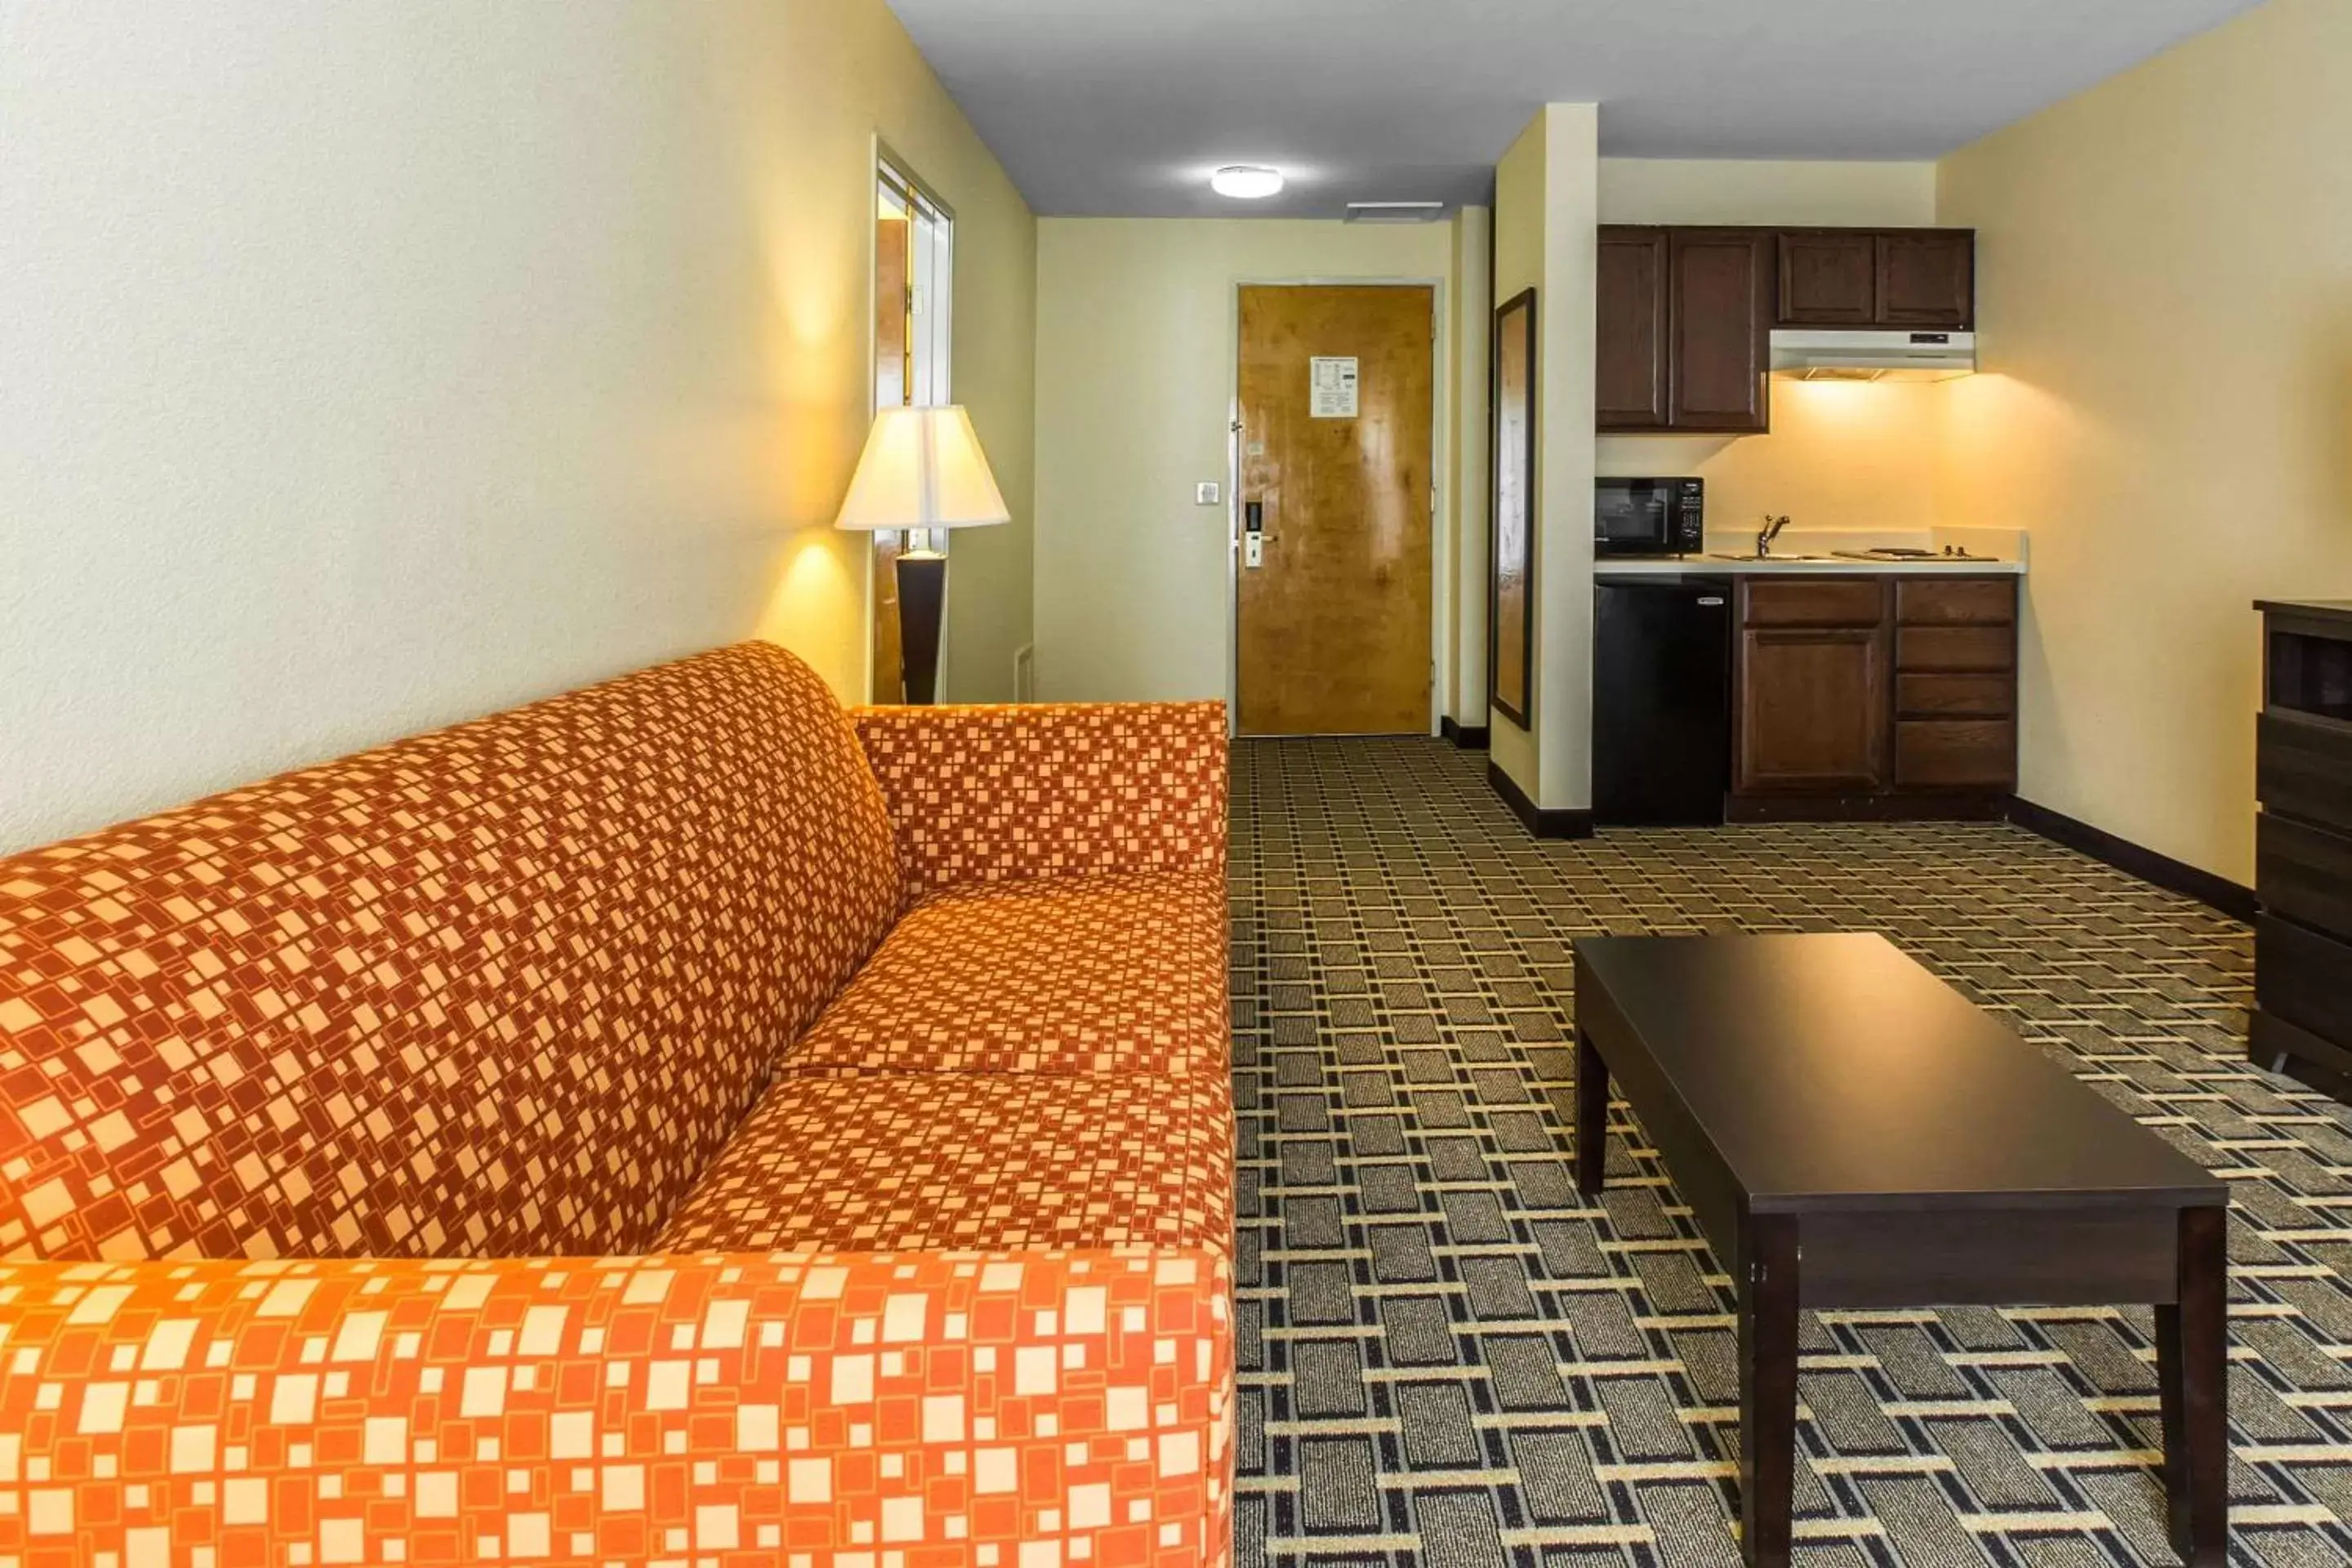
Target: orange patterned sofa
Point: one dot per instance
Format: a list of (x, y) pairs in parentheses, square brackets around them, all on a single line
[(677, 1120)]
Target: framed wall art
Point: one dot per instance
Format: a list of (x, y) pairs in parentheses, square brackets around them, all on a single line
[(1510, 609)]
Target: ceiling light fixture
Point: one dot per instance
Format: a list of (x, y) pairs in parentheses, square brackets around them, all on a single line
[(1246, 182)]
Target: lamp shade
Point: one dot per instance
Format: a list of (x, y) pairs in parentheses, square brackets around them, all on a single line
[(922, 468)]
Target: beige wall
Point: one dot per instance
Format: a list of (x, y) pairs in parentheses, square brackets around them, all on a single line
[(2165, 303), (373, 364), (1546, 206), (1135, 394), (1474, 331), (1519, 181), (1768, 192), (1840, 455)]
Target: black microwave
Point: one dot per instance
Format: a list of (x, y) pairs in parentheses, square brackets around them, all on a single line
[(1648, 517)]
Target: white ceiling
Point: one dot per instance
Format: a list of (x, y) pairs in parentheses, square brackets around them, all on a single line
[(1124, 105)]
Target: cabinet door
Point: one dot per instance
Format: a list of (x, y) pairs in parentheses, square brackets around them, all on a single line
[(1813, 711), (1630, 378), (1927, 278), (1721, 323), (1829, 277)]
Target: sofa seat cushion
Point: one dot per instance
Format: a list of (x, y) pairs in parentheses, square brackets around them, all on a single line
[(1119, 973), (892, 1164)]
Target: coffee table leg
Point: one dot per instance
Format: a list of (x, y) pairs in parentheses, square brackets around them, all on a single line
[(2192, 1360), (1591, 1116), (1767, 1388)]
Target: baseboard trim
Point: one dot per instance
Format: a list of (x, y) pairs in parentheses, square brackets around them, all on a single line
[(1557, 823), (2173, 876), (1953, 806), (1469, 736)]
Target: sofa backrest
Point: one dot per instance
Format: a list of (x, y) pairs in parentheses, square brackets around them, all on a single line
[(501, 990), (988, 793)]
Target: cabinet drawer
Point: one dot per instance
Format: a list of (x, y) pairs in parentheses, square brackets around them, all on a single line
[(1955, 753), (2303, 767), (1822, 602), (1967, 649), (2305, 874), (2304, 978), (1969, 602), (2270, 1039), (1952, 695)]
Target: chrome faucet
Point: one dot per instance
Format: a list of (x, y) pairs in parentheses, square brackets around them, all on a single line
[(1767, 533)]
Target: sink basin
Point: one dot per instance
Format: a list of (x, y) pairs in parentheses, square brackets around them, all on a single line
[(1764, 560)]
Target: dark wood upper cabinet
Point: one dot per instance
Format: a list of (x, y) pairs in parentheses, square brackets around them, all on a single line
[(1927, 278), (1719, 325), (1829, 277), (1686, 314), (1631, 375), (1860, 278)]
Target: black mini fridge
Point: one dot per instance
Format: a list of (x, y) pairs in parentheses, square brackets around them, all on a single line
[(1661, 701)]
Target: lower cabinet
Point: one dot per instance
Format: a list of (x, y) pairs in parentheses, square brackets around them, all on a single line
[(1875, 697)]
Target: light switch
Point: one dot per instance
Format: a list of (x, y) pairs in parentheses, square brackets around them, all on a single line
[(1205, 493)]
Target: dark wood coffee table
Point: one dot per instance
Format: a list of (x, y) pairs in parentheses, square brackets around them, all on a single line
[(1850, 1131)]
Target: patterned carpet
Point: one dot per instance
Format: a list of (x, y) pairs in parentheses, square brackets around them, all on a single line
[(1448, 1360)]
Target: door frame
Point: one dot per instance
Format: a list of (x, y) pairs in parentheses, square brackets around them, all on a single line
[(1443, 519), (881, 156)]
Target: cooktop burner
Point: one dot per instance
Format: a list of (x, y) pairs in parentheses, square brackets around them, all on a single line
[(1903, 553)]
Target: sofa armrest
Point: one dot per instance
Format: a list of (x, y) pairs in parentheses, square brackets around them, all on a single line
[(991, 794), (723, 1406)]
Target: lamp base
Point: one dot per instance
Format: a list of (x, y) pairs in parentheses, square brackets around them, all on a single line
[(922, 615)]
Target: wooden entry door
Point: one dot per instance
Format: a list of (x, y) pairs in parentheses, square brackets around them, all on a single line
[(1333, 617)]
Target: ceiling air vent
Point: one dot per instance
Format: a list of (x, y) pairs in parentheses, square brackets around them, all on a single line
[(1395, 212)]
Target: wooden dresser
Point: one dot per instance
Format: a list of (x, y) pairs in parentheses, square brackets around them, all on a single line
[(2302, 1021)]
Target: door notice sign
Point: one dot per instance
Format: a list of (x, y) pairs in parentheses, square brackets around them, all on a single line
[(1333, 383)]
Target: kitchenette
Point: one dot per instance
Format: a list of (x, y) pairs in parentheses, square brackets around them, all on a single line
[(1757, 667)]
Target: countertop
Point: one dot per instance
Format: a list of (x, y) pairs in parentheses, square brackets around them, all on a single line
[(1608, 567)]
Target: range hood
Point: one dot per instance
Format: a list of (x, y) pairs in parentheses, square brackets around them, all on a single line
[(1812, 353)]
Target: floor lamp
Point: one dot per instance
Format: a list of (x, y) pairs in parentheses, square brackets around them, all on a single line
[(922, 468)]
